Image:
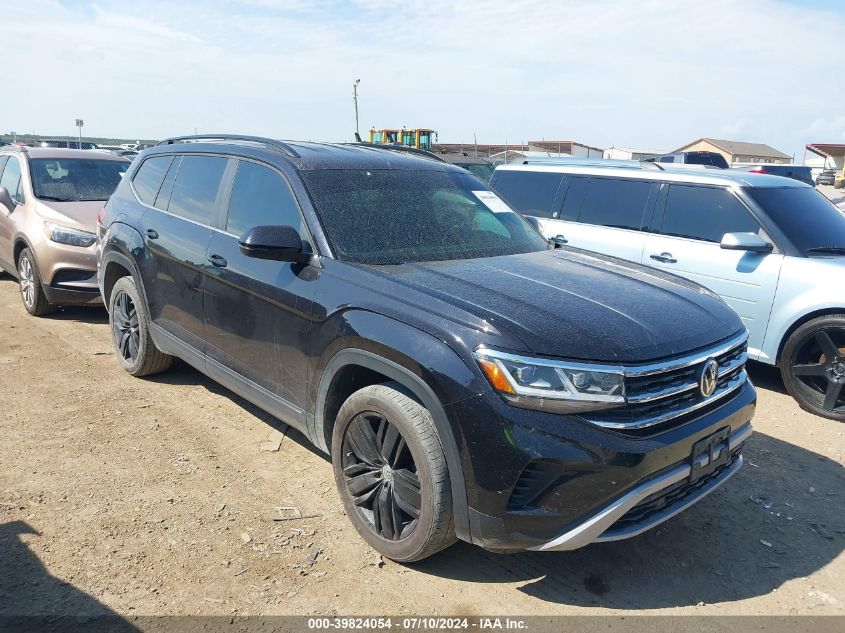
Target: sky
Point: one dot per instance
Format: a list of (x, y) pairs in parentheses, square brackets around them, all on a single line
[(650, 74)]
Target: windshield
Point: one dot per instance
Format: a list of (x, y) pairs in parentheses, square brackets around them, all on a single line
[(75, 179), (397, 216), (808, 219)]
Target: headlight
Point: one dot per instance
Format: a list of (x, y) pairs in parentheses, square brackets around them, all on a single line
[(562, 387), (72, 237)]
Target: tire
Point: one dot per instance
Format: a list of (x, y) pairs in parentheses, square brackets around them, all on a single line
[(129, 324), (32, 294), (373, 422), (813, 366)]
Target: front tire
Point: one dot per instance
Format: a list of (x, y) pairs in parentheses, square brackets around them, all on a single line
[(32, 294), (129, 324), (391, 473), (813, 366)]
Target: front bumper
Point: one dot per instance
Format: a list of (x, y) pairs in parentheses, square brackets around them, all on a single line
[(601, 527), (539, 481)]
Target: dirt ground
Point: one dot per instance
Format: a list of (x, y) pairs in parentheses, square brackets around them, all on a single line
[(154, 497)]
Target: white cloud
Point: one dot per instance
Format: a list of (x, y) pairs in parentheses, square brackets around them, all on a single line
[(648, 73)]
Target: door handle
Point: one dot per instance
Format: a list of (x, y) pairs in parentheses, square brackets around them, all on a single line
[(152, 234), (217, 261), (666, 258)]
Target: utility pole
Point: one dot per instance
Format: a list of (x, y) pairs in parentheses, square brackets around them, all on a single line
[(355, 99)]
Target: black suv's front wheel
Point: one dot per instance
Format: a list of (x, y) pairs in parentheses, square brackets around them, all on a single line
[(813, 366), (391, 473), (129, 323)]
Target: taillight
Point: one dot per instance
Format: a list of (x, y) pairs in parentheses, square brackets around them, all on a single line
[(101, 215), (757, 170)]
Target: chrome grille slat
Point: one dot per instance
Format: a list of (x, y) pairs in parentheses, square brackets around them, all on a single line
[(659, 392), (724, 370)]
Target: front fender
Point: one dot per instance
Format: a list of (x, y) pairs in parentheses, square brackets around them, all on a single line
[(806, 286)]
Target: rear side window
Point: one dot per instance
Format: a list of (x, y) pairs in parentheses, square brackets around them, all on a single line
[(705, 213), (3, 160), (529, 192), (11, 179), (615, 203), (195, 190), (148, 178), (260, 197)]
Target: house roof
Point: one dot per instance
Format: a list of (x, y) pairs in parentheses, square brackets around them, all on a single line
[(740, 148)]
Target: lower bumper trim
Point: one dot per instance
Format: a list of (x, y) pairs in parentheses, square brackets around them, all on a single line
[(599, 527)]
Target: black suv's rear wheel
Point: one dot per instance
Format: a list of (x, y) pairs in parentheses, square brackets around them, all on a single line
[(129, 324), (813, 366), (32, 295), (391, 473)]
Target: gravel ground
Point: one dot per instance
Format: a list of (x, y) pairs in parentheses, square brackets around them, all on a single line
[(155, 497)]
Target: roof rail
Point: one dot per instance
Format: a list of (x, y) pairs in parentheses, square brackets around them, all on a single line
[(401, 148), (584, 162), (259, 140)]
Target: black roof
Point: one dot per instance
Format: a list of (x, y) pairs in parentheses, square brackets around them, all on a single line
[(309, 155)]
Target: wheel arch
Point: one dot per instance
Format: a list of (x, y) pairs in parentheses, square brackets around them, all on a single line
[(801, 321), (114, 265), (351, 369)]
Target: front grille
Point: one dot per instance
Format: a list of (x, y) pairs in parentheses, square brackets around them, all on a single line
[(666, 498), (663, 392)]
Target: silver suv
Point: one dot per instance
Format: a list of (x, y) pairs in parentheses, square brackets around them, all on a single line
[(773, 248)]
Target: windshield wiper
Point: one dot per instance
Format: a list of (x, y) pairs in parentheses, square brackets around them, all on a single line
[(55, 199), (839, 250)]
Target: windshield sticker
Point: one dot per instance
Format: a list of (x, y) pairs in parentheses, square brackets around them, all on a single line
[(492, 202)]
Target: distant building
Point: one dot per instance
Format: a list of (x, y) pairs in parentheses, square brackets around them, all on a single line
[(536, 148), (737, 151), (630, 153), (831, 155)]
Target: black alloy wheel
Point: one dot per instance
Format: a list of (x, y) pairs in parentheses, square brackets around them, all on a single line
[(818, 367), (125, 327), (381, 476)]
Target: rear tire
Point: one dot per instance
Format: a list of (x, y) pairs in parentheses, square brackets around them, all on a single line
[(813, 366), (32, 294), (391, 473), (129, 323)]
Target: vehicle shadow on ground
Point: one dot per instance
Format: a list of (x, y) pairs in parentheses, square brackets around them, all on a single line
[(780, 518), (31, 599), (766, 377), (180, 373)]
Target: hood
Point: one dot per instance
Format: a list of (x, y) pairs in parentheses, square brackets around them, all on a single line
[(75, 215), (572, 304)]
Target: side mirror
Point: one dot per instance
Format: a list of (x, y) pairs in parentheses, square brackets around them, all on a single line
[(745, 242), (279, 243), (6, 199)]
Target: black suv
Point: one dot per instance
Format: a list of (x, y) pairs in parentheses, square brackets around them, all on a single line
[(468, 379)]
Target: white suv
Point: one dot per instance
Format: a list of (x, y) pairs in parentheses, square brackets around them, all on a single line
[(773, 248)]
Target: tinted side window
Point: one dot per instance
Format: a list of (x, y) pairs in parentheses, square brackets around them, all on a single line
[(11, 178), (615, 203), (260, 197), (529, 192), (3, 160), (147, 179), (705, 213), (195, 190), (574, 197), (163, 197)]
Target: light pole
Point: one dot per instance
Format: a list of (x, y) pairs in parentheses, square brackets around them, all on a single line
[(355, 99)]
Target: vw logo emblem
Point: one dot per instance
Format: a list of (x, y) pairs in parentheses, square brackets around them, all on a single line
[(708, 378)]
